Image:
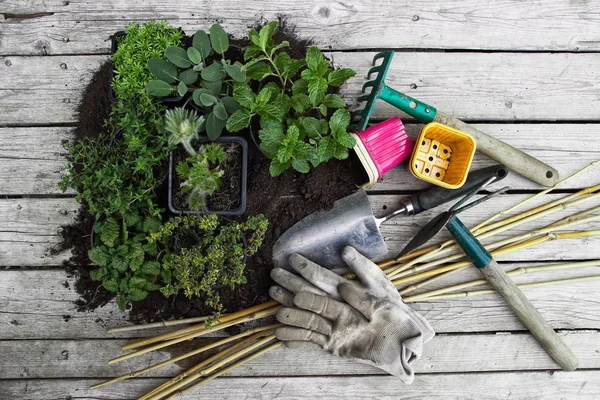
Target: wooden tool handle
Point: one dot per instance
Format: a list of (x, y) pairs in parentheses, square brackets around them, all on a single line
[(530, 316), (515, 159)]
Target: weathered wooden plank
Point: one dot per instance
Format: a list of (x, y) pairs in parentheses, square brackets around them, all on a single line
[(473, 86), (33, 159), (583, 385), (48, 27), (42, 359), (28, 231), (38, 304), (29, 227)]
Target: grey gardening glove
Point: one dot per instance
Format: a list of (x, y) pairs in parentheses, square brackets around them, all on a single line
[(364, 320)]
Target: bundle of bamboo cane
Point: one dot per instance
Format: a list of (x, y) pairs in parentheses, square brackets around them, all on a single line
[(417, 269)]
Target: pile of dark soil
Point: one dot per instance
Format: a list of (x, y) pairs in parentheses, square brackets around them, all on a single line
[(284, 200)]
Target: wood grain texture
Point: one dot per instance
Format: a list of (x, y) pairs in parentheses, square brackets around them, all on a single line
[(471, 86), (55, 27), (31, 225), (32, 159), (582, 385), (39, 304), (36, 359)]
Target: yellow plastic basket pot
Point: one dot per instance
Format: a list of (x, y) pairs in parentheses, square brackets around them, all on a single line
[(442, 156)]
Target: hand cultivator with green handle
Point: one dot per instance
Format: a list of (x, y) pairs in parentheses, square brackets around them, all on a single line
[(512, 157)]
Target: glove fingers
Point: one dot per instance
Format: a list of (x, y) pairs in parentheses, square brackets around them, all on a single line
[(289, 334), (304, 319), (297, 344), (359, 299), (321, 277), (282, 296), (329, 308), (293, 282), (366, 270)]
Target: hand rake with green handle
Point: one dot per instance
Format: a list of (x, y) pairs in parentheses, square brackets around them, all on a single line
[(511, 157)]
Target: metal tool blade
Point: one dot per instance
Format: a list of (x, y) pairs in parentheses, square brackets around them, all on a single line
[(427, 232)]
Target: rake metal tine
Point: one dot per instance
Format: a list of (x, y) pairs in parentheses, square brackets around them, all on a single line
[(383, 54), (376, 69), (368, 84), (366, 97)]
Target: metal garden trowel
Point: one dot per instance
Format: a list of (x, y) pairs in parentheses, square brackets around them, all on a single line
[(495, 275), (322, 235), (497, 150)]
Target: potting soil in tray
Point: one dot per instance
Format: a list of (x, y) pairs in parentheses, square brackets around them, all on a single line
[(228, 197), (284, 200)]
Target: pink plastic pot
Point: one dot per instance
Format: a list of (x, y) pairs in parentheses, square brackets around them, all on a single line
[(383, 146)]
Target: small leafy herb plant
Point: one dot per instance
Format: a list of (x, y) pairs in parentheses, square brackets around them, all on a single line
[(211, 84), (126, 259), (302, 123), (204, 251)]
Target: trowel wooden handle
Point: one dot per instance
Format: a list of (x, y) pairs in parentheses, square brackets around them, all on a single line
[(530, 316), (513, 158)]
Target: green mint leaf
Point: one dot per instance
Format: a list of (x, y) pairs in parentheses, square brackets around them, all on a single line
[(346, 139), (339, 76), (253, 36), (238, 120), (151, 225), (121, 302), (265, 36), (323, 109), (314, 58), (109, 231), (315, 128), (220, 111), (340, 152), (213, 72), (339, 121), (99, 256), (189, 76), (136, 294), (323, 68), (158, 88), (182, 88), (264, 96), (300, 102), (201, 42), (309, 75), (300, 87), (131, 219), (283, 101), (98, 274), (313, 157), (277, 167), (316, 91), (259, 71), (301, 166), (284, 154), (251, 51), (281, 45), (119, 264), (111, 285), (178, 56), (270, 112), (293, 133), (194, 55), (334, 101), (219, 39), (162, 70), (245, 96), (236, 72), (137, 282)]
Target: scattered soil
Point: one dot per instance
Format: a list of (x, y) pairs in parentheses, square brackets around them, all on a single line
[(228, 197), (283, 200)]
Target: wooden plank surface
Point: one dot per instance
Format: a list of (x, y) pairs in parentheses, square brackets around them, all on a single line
[(473, 86), (581, 385), (37, 359), (30, 227), (58, 27), (39, 304), (32, 159)]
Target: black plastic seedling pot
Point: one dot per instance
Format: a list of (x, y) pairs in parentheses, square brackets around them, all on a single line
[(243, 179), (168, 101)]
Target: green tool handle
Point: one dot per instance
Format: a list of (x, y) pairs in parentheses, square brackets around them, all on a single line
[(515, 159), (514, 297)]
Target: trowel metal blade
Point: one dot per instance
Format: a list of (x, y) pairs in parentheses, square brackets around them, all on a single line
[(321, 236)]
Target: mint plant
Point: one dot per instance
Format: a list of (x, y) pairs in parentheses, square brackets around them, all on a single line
[(204, 251), (189, 71), (126, 259), (302, 124), (201, 175)]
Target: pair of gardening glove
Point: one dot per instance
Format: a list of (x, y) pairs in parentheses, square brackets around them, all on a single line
[(364, 320)]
